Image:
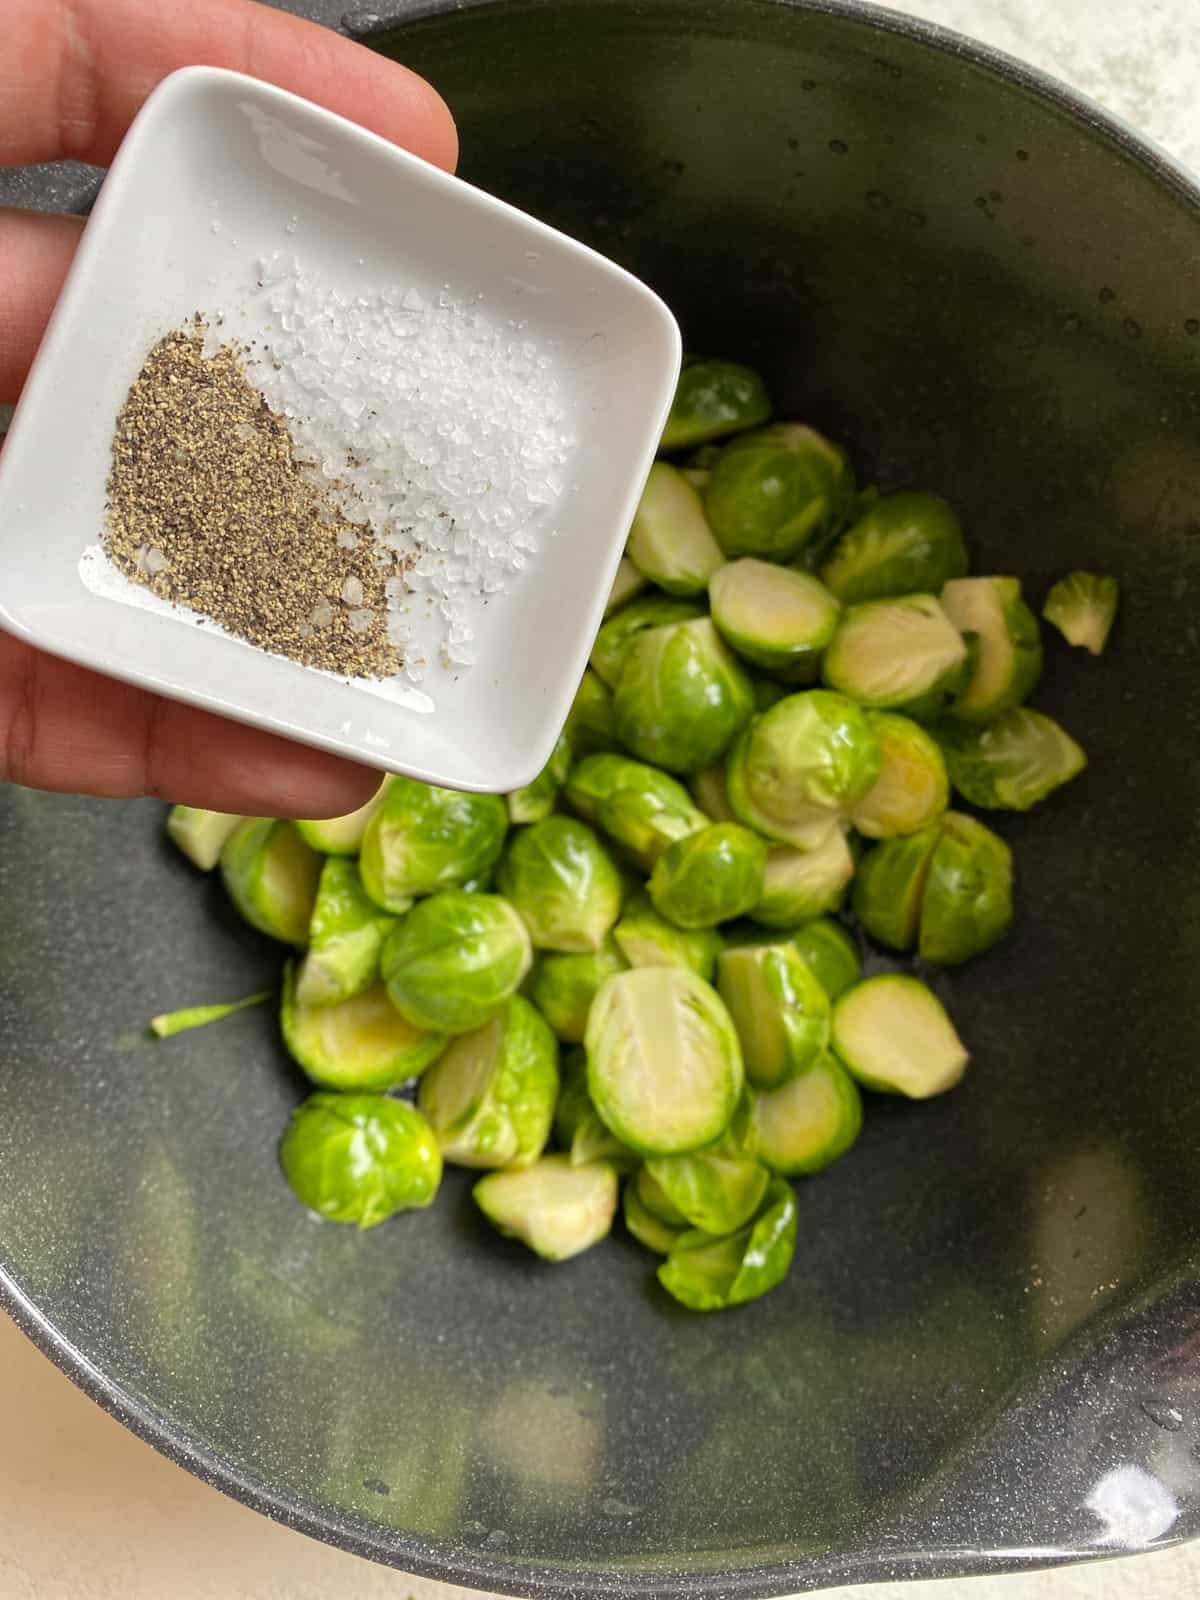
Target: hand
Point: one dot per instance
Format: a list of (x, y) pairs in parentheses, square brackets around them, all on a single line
[(72, 75)]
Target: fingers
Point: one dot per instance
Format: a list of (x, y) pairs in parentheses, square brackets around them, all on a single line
[(66, 729), (36, 251), (74, 72)]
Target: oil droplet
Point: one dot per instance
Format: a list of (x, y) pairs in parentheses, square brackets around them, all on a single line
[(1072, 323), (1192, 326), (1107, 296), (1132, 328), (808, 83), (994, 195), (839, 147), (917, 218), (1022, 155)]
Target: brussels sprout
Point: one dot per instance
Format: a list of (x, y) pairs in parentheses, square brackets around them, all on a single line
[(967, 905), (829, 953), (778, 1007), (682, 697), (564, 987), (890, 885), (709, 877), (801, 765), (1083, 607), (454, 960), (565, 888), (799, 884), (589, 724), (772, 616), (490, 1095), (645, 1227), (893, 1034), (908, 543), (707, 1274), (361, 1043), (902, 654), (200, 835), (423, 839), (712, 399), (556, 1209), (628, 582), (810, 1121), (360, 1158), (345, 937), (912, 789), (664, 1064), (638, 806), (670, 540), (1008, 660), (577, 1124), (271, 876), (342, 836), (616, 636), (719, 1188), (1012, 763), (776, 490), (168, 1023), (647, 940), (537, 799), (709, 792), (655, 1200)]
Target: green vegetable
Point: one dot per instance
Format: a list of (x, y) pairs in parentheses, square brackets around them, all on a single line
[(967, 904), (556, 1209), (360, 1043), (664, 1064), (776, 490), (655, 1201), (562, 883), (646, 939), (709, 877), (682, 697), (615, 637), (200, 835), (1083, 607), (801, 765), (712, 399), (908, 543), (1012, 763), (768, 693), (628, 582), (890, 885), (577, 1124), (537, 799), (271, 876), (169, 1023), (454, 960), (799, 884), (670, 541), (589, 724), (709, 1274), (912, 789), (778, 1007), (342, 836), (774, 617), (708, 791), (810, 1121), (829, 953), (490, 1096), (904, 655), (346, 934), (1008, 659), (893, 1033), (641, 808), (644, 1225), (564, 986), (360, 1158), (423, 839), (719, 1188)]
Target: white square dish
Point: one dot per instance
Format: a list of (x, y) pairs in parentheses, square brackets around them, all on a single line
[(216, 172)]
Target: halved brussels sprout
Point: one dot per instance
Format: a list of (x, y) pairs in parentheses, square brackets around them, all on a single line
[(893, 1034), (801, 765), (664, 1063), (670, 541), (800, 884), (538, 799), (200, 834), (360, 1043), (645, 1227), (563, 884), (271, 876), (564, 987), (342, 836), (890, 885), (454, 960), (809, 1122), (776, 490), (716, 1189), (423, 839), (967, 905), (708, 791), (345, 937), (1083, 607), (776, 618), (707, 1273), (360, 1158), (589, 724), (490, 1095), (778, 1007), (627, 583), (1012, 763), (829, 953), (711, 876), (641, 808), (647, 940), (577, 1124), (615, 637), (556, 1209), (712, 399), (655, 1201), (912, 789), (907, 543), (1008, 657), (682, 697), (902, 654)]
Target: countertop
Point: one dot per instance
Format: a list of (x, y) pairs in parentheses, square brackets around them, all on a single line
[(88, 1512)]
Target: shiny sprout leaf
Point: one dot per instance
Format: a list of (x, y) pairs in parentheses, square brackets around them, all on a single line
[(775, 490), (967, 904), (907, 543), (778, 1007), (670, 541), (890, 886), (714, 399), (810, 1121), (563, 884), (893, 1033), (912, 789), (423, 839), (902, 654), (710, 877), (360, 1158), (1012, 763), (715, 1190), (357, 1044), (169, 1023), (641, 808), (271, 876), (577, 1124), (589, 724), (616, 635), (1083, 607), (645, 1227), (801, 884), (343, 836), (455, 959), (682, 697), (346, 934), (557, 1210), (564, 987), (709, 1274), (646, 939), (537, 799), (829, 953), (1008, 656), (773, 617)]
